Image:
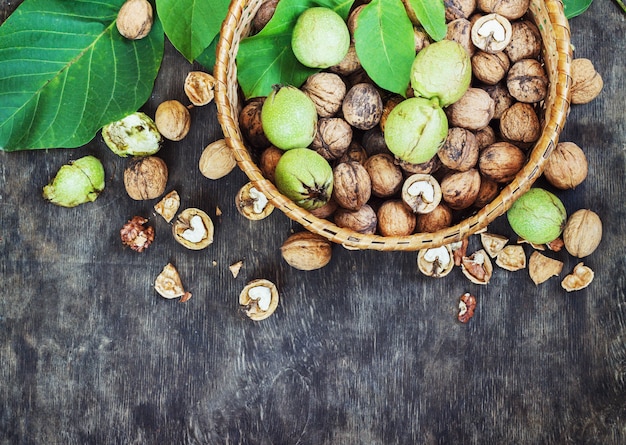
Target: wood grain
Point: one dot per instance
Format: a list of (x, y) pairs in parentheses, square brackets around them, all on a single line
[(363, 351)]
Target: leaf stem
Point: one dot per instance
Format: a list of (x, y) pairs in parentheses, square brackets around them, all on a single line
[(621, 4)]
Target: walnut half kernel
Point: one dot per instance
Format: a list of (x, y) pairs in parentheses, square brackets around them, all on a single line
[(193, 229), (259, 299), (436, 261)]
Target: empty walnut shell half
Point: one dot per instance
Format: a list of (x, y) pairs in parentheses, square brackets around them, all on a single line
[(259, 299), (193, 228)]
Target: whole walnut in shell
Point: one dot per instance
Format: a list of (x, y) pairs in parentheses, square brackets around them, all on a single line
[(501, 97), (501, 161), (332, 138), (439, 218), (473, 110), (459, 9), (459, 30), (582, 233), (586, 81), (306, 251), (385, 176), (525, 41), (511, 9), (327, 92), (352, 186), (362, 106), (362, 220), (395, 218), (145, 178), (527, 81), (567, 166), (490, 68), (251, 125), (460, 189), (460, 149), (520, 123), (134, 19)]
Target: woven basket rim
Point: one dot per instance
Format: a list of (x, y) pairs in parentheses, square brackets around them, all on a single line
[(549, 17)]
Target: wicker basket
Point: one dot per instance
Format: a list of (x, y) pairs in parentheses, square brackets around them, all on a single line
[(557, 56)]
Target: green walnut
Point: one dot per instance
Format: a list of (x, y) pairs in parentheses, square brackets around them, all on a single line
[(442, 71), (289, 118), (320, 38), (76, 183), (537, 216), (305, 177), (415, 129), (134, 135)]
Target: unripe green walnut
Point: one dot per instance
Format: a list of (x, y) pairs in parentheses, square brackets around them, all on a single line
[(320, 38), (289, 118), (134, 135), (76, 183), (305, 177), (537, 216), (415, 129), (442, 71)]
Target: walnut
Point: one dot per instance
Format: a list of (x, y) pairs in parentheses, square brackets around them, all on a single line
[(490, 68), (349, 65), (362, 106), (332, 138), (493, 243), (541, 267), (525, 41), (580, 278), (491, 32), (582, 233), (259, 299), (460, 189), (354, 153), (467, 306), (459, 30), (477, 267), (373, 142), (251, 125), (306, 251), (422, 40), (252, 204), (134, 19), (421, 192), (460, 149), (136, 234), (395, 218), (488, 191), (511, 9), (473, 110), (436, 261), (168, 206), (567, 166), (268, 160), (193, 228), (485, 137), (385, 176), (363, 220), (501, 97), (327, 92), (388, 105), (264, 14), (427, 167), (173, 120), (169, 285), (501, 161), (586, 81), (199, 88), (145, 177), (438, 218), (511, 258), (217, 160), (527, 81), (325, 211), (520, 123), (459, 9), (352, 186)]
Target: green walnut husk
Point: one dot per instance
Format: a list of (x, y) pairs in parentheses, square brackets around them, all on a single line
[(305, 177), (289, 118), (415, 129), (76, 183), (134, 135), (442, 71), (537, 216)]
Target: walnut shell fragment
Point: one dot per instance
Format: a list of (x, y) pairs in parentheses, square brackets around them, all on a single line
[(541, 267), (493, 243), (169, 285), (259, 299), (168, 206), (581, 277), (511, 258), (477, 267)]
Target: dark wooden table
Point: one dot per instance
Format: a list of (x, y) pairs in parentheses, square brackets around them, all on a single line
[(364, 351)]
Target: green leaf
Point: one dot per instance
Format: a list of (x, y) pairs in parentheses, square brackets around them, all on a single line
[(191, 25), (208, 56), (266, 59), (573, 8), (65, 71), (432, 16), (385, 45)]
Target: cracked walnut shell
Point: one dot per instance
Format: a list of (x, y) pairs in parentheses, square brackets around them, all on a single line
[(169, 285), (193, 229), (541, 267), (259, 299), (580, 278)]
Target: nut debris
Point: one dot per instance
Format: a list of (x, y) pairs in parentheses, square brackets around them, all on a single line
[(169, 285), (581, 277), (168, 206), (541, 268)]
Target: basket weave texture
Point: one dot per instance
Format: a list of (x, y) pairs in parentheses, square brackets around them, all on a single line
[(549, 17)]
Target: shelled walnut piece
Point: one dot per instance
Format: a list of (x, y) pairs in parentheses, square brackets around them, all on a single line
[(136, 234)]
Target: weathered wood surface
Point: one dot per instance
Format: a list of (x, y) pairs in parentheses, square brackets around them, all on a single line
[(364, 351)]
